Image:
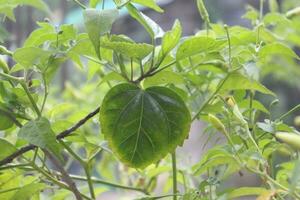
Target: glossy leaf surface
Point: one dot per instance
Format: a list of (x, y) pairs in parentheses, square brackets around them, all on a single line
[(142, 126)]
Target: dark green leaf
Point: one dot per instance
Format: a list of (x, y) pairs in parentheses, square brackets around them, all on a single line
[(6, 148), (142, 126)]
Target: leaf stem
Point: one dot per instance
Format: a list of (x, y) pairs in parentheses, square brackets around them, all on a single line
[(297, 107), (95, 180), (80, 4), (174, 170), (37, 110), (229, 45)]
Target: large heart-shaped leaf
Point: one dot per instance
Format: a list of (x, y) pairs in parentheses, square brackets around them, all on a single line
[(142, 126)]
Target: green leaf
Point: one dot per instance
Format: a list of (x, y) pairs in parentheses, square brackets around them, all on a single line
[(26, 192), (142, 126), (149, 3), (98, 23), (93, 3), (7, 6), (276, 49), (5, 121), (196, 45), (151, 27), (31, 56), (39, 133), (246, 191), (6, 148), (131, 50), (163, 77), (237, 81), (171, 38)]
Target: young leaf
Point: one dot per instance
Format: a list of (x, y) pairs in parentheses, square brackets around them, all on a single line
[(163, 77), (142, 126), (151, 27), (6, 148), (276, 49), (196, 45), (246, 191), (28, 191), (39, 133), (171, 38), (5, 121), (149, 3), (97, 23), (31, 56), (238, 81), (131, 50)]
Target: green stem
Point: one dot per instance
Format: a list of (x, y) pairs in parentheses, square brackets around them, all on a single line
[(229, 45), (9, 77), (89, 180), (95, 180), (174, 170), (261, 10), (85, 165), (80, 4), (37, 110), (45, 93), (289, 112), (211, 97), (9, 190)]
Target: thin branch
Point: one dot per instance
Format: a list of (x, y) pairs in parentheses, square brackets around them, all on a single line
[(60, 136), (65, 176)]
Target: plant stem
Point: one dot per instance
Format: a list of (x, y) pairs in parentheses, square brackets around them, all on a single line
[(289, 112), (95, 180), (174, 170), (45, 92), (229, 45), (65, 175), (34, 105), (80, 4), (89, 180)]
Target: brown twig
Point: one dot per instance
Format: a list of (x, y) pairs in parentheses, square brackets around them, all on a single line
[(60, 136), (65, 176)]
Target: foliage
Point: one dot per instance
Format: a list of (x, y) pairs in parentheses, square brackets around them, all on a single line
[(147, 96)]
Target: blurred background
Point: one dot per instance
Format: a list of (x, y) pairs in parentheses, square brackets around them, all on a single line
[(286, 85)]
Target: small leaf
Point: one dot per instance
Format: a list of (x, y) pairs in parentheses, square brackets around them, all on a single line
[(6, 148), (151, 27), (196, 45), (131, 50), (246, 191), (237, 81), (93, 3), (149, 3), (171, 38), (142, 126), (39, 133), (276, 49), (30, 56), (5, 121), (26, 192), (163, 77), (98, 23)]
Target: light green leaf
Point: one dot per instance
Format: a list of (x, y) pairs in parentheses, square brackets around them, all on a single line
[(196, 45), (149, 3), (39, 133), (151, 27), (6, 148), (142, 126), (26, 192), (163, 77), (171, 38), (131, 50), (112, 76), (276, 49), (93, 3), (246, 191), (98, 23), (5, 121), (31, 56), (237, 81)]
